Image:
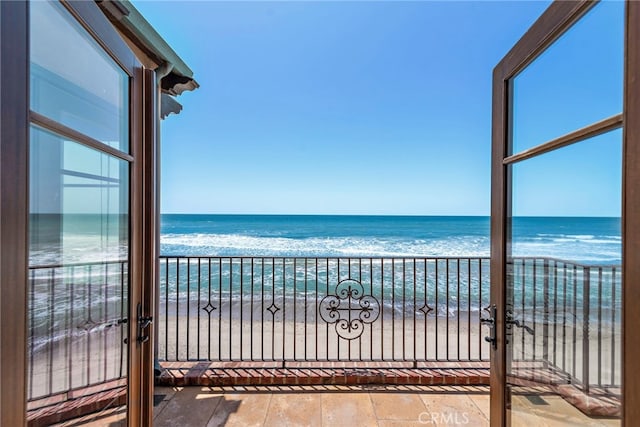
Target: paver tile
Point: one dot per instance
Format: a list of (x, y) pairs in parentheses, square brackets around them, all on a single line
[(340, 409), (453, 410), (555, 411), (241, 409), (402, 423), (482, 402), (168, 393), (398, 406), (282, 407), (113, 417), (292, 410), (192, 406)]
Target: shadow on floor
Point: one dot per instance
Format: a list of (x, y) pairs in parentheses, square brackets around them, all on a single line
[(194, 406)]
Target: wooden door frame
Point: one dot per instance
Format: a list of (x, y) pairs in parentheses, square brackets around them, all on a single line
[(552, 23), (631, 216), (558, 17), (146, 215), (141, 198), (14, 185), (14, 196)]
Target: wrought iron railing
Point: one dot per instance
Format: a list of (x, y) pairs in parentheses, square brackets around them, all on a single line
[(322, 309), (282, 309), (388, 309), (77, 315), (567, 316)]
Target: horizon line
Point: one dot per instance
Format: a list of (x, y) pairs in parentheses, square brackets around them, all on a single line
[(383, 215)]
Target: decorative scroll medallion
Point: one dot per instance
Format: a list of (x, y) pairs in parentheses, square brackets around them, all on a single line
[(349, 309)]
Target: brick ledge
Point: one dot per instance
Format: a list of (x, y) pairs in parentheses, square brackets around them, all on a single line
[(328, 373)]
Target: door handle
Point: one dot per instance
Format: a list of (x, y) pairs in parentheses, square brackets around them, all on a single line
[(491, 323), (518, 323), (143, 323)]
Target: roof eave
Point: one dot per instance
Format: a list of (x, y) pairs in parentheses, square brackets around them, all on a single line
[(178, 77)]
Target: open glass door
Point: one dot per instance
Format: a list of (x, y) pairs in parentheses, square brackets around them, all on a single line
[(563, 300), (556, 220), (83, 237)]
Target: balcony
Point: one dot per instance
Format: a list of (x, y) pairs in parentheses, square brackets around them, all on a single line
[(328, 324), (338, 405)]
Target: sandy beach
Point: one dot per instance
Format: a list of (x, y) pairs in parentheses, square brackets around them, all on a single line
[(222, 334), (394, 336)]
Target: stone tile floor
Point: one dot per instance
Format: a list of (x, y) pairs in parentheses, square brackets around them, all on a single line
[(344, 406), (320, 406)]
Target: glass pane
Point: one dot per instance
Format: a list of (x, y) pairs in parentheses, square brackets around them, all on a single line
[(78, 271), (564, 285), (575, 82), (73, 81)]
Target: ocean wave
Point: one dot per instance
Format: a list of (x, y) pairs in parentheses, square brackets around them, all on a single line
[(236, 244), (586, 248), (581, 238), (577, 250), (591, 240)]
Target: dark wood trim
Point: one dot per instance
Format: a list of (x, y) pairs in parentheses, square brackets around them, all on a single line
[(143, 243), (150, 261), (14, 189), (586, 132), (53, 126), (157, 146), (499, 186), (14, 186), (90, 16), (631, 220), (136, 269), (558, 17)]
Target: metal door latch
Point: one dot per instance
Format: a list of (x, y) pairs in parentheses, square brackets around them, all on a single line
[(518, 323), (491, 323), (143, 323)]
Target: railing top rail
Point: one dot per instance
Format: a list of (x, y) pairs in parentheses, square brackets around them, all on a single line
[(297, 257), (566, 261), (77, 264), (319, 257), (416, 257)]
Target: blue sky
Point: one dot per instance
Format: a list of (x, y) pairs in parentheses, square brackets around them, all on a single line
[(379, 108)]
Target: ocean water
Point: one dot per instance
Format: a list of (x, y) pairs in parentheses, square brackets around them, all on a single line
[(369, 248), (97, 290), (583, 240)]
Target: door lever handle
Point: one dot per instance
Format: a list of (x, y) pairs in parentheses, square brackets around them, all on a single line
[(520, 324), (143, 323), (491, 323)]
